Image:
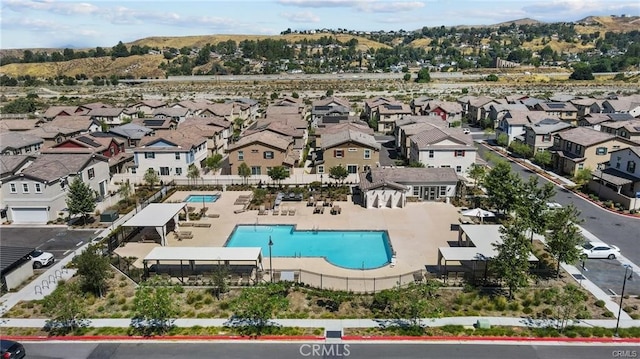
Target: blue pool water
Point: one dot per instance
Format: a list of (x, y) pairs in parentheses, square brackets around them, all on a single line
[(202, 198), (349, 249)]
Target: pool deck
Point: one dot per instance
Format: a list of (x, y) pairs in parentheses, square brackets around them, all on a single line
[(415, 231)]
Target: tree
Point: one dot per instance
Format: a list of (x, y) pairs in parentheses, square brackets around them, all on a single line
[(257, 305), (406, 77), (193, 172), (64, 307), (512, 261), (338, 173), (583, 177), (154, 309), (125, 190), (80, 198), (521, 149), (93, 269), (502, 139), (151, 177), (329, 93), (503, 187), (416, 302), (423, 76), (581, 71), (477, 173), (219, 278), (245, 172), (532, 208), (569, 303), (564, 236), (213, 163), (492, 78), (278, 173), (543, 158)]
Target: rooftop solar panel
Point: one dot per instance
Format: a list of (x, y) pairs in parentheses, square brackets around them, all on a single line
[(88, 141), (555, 105), (154, 123)]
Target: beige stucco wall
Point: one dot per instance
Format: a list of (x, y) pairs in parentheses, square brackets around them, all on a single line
[(350, 157), (253, 156)]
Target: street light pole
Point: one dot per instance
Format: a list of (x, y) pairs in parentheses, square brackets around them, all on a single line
[(321, 185), (600, 168), (270, 260), (624, 283)]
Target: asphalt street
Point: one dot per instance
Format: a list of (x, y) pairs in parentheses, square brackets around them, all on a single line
[(59, 241), (263, 350)]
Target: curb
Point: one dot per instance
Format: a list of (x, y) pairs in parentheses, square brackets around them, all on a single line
[(491, 338), (42, 338)]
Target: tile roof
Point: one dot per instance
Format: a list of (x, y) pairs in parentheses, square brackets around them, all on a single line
[(480, 101), (184, 140), (431, 137), (54, 111), (329, 100), (330, 140), (399, 176), (585, 136), (171, 111), (78, 122), (273, 110), (17, 125), (556, 107), (10, 164), (394, 108), (194, 106), (447, 106), (548, 126), (106, 112), (265, 137), (131, 131), (344, 126), (630, 125), (433, 120), (14, 140), (281, 128), (52, 166), (151, 103)]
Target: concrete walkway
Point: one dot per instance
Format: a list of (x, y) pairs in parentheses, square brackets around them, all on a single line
[(339, 324)]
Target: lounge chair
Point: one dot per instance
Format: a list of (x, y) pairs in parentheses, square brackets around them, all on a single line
[(336, 209), (292, 211), (262, 210), (319, 209), (276, 211)]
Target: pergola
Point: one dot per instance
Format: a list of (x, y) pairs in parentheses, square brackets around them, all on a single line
[(476, 245), (203, 259), (157, 215)]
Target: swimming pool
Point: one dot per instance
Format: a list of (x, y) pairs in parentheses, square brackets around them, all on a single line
[(348, 249), (202, 198)]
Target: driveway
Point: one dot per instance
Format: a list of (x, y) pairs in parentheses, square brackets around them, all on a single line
[(58, 240), (609, 227), (388, 153)]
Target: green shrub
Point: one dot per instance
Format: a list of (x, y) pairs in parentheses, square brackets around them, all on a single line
[(527, 310), (515, 306), (608, 314), (600, 303), (500, 303), (547, 311)]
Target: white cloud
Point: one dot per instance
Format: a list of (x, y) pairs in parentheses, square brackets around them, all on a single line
[(390, 7), (570, 7), (361, 5), (301, 16), (320, 3), (64, 8)]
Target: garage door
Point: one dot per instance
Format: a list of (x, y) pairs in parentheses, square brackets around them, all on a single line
[(29, 215)]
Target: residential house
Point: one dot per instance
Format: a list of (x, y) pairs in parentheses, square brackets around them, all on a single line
[(148, 107), (627, 129), (248, 108), (81, 123), (583, 148), (37, 194), (176, 115), (539, 136), (354, 150), (586, 106), (404, 135), (170, 153), (498, 110), (387, 114), (299, 136), (444, 147), (217, 131), (329, 107), (371, 105), (595, 120), (516, 98), (56, 111), (401, 139), (390, 187), (619, 181), (288, 101), (52, 134), (195, 107), (10, 165), (220, 110), (625, 104), (478, 108), (18, 143), (262, 151), (449, 112), (17, 125), (103, 144), (112, 116), (565, 111), (419, 104), (131, 133)]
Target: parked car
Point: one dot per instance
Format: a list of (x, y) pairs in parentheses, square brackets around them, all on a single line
[(41, 259), (11, 350), (594, 249)]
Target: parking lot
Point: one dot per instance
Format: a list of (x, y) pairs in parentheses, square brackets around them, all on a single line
[(608, 275), (58, 241)]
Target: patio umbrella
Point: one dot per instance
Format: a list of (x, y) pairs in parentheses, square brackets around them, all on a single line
[(478, 212)]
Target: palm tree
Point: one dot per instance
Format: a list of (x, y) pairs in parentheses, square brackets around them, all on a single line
[(193, 173)]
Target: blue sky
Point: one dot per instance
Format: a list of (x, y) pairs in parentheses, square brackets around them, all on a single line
[(91, 23)]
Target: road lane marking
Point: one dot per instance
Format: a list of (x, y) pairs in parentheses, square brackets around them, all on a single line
[(66, 252), (51, 240), (79, 243)]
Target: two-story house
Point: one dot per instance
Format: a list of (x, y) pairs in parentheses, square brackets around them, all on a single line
[(56, 111), (388, 113), (103, 144), (444, 147), (371, 105), (498, 110), (176, 115), (583, 148), (539, 136), (38, 193), (478, 108), (419, 104), (565, 111), (170, 153), (18, 143), (217, 131), (112, 116), (623, 104), (131, 133), (586, 106), (619, 181), (18, 124), (627, 129), (595, 120), (248, 108), (355, 150), (147, 107), (447, 111), (298, 135), (261, 151), (329, 106)]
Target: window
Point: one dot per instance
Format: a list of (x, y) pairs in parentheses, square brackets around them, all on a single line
[(578, 149), (580, 166), (25, 188), (112, 151), (601, 151), (352, 168), (13, 188), (546, 138), (367, 154), (27, 150), (149, 155), (164, 171), (178, 171), (256, 170), (134, 170), (458, 169), (240, 155), (631, 167), (431, 153), (567, 146), (267, 155), (254, 151), (338, 153), (38, 188), (459, 153), (92, 173), (177, 154), (443, 191), (353, 150), (321, 169), (416, 190)]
